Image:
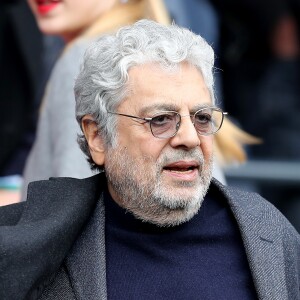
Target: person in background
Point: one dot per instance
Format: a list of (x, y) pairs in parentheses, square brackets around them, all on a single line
[(55, 152), (154, 224)]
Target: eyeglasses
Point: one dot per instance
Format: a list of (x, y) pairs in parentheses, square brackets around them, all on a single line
[(165, 124)]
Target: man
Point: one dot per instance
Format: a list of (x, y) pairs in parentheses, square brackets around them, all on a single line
[(154, 224)]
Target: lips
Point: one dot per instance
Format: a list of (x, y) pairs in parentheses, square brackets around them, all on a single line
[(182, 166), (183, 170), (45, 6)]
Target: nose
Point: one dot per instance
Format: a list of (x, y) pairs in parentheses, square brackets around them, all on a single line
[(186, 136)]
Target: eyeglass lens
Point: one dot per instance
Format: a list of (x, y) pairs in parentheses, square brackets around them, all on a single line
[(165, 125), (206, 122)]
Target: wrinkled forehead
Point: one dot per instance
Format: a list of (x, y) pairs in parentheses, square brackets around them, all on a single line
[(151, 85)]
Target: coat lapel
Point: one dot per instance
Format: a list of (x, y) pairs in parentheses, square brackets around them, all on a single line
[(86, 263), (260, 233)]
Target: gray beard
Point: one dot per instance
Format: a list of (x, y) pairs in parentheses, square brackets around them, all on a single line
[(141, 192)]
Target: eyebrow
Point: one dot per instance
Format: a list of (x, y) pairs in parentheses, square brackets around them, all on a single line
[(158, 107), (201, 106)]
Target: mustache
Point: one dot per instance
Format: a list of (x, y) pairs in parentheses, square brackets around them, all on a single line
[(180, 154)]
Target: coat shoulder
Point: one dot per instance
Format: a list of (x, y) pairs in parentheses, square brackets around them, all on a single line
[(253, 204), (37, 235)]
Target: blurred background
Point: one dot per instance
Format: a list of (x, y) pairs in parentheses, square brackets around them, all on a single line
[(257, 45)]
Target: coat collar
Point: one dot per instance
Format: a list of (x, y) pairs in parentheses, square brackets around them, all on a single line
[(261, 232)]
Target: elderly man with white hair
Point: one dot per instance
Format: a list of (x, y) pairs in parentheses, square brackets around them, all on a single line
[(154, 224)]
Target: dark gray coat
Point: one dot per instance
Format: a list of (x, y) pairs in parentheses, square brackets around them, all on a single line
[(49, 251)]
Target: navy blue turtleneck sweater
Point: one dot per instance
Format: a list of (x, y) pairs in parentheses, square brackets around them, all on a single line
[(200, 259)]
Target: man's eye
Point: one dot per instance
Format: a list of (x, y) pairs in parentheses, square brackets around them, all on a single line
[(162, 119), (203, 118)]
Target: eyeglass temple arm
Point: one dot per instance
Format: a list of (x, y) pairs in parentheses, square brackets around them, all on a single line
[(130, 116)]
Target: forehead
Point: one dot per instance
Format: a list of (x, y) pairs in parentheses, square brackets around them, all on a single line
[(150, 85)]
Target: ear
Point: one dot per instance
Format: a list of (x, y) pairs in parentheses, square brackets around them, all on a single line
[(95, 141)]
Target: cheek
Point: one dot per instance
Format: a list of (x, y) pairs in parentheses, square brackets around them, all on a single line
[(207, 147), (151, 147), (144, 148), (141, 145), (138, 139)]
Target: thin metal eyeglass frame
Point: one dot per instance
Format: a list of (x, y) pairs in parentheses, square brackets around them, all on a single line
[(148, 120)]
